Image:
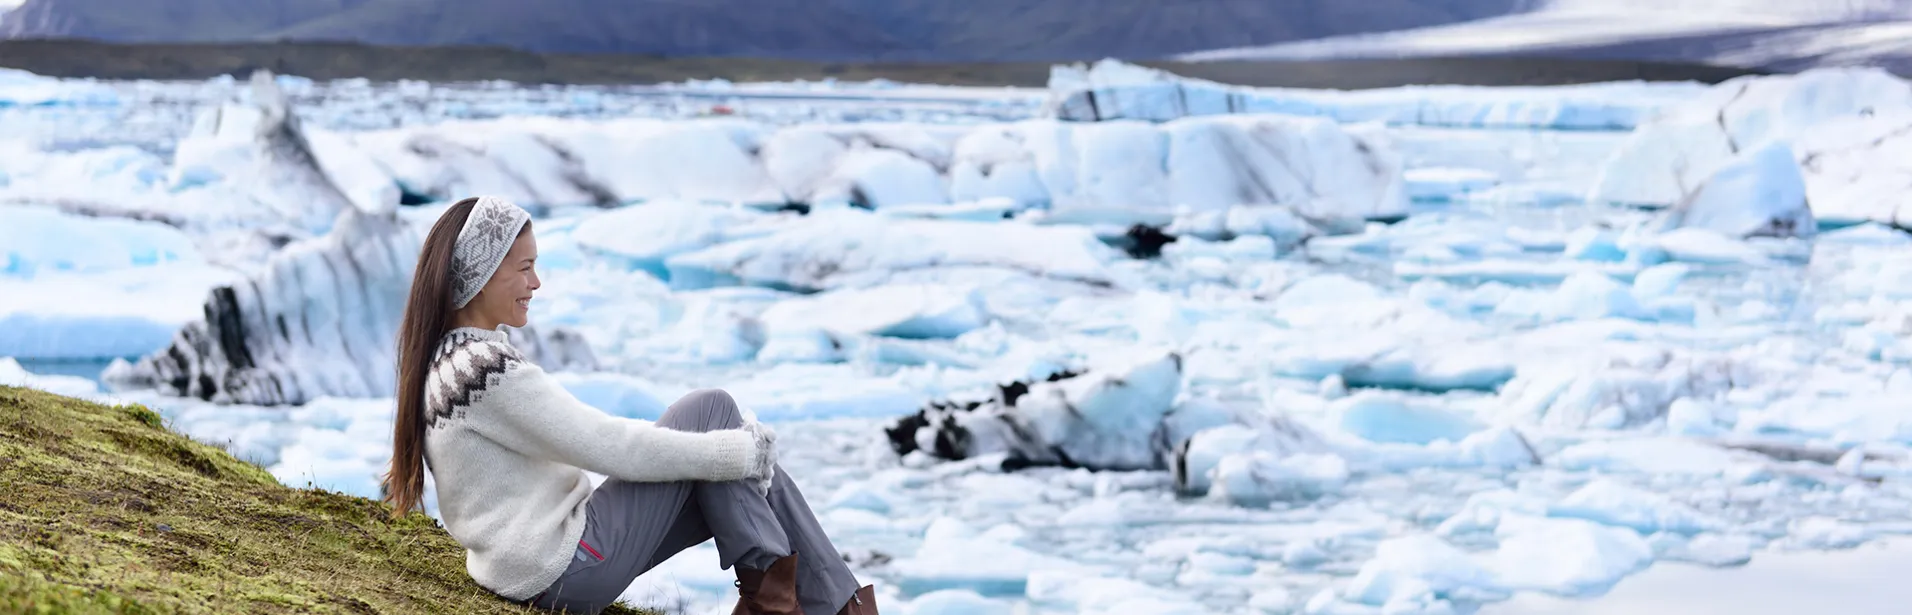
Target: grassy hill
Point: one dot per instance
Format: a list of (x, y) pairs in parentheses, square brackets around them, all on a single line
[(104, 510)]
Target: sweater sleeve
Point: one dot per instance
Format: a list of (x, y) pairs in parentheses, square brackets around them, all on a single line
[(526, 410)]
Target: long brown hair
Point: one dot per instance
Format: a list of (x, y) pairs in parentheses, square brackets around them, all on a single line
[(427, 317)]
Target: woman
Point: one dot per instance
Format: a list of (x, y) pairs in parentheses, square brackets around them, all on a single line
[(508, 448)]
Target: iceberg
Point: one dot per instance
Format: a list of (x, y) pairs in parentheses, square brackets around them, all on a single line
[(36, 240), (1113, 90), (643, 236), (19, 88), (317, 321), (1116, 173), (1106, 419), (915, 311), (851, 247), (1721, 156)]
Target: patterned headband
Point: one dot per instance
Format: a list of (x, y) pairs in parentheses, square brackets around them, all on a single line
[(482, 244)]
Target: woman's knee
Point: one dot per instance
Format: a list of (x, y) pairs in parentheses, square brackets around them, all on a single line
[(703, 408)]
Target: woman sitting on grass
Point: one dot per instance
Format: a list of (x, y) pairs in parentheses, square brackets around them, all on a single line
[(508, 448)]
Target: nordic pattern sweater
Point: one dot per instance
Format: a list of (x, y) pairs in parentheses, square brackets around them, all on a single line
[(507, 448)]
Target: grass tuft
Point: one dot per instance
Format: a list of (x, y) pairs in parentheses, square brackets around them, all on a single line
[(103, 510)]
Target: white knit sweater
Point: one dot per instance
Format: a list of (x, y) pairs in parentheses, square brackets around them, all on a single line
[(507, 447)]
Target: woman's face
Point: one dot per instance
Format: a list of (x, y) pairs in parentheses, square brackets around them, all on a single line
[(506, 299)]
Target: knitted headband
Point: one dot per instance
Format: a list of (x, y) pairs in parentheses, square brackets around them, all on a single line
[(482, 244)]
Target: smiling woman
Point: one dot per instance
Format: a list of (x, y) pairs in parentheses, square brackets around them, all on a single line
[(509, 448)]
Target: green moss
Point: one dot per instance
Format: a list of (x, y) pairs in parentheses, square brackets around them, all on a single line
[(106, 511)]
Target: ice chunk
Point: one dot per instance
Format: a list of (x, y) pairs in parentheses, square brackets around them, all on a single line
[(19, 88), (1611, 502), (916, 311), (1419, 563), (1826, 533), (1592, 243), (1443, 183), (1259, 478), (1113, 90), (317, 321), (120, 313), (1381, 417), (1698, 245), (1659, 281), (40, 239), (1762, 193), (1582, 296), (1843, 120), (1717, 550), (12, 374), (1088, 593), (1194, 465), (954, 555), (1693, 418), (1108, 418), (1566, 556), (1220, 162), (1482, 512), (829, 250), (1648, 456), (953, 602), (643, 236)]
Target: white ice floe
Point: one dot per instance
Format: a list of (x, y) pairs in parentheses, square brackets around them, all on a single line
[(848, 247), (896, 310), (1733, 153), (22, 88), (1118, 173), (1112, 90), (12, 374), (643, 236), (954, 555)]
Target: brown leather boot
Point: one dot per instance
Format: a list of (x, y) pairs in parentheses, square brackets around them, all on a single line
[(768, 592), (863, 603)]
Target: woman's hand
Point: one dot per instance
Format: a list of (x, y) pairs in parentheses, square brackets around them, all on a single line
[(766, 469)]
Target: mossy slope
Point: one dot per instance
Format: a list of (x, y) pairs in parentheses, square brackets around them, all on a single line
[(103, 510)]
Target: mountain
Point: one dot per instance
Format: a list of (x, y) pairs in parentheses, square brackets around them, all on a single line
[(1785, 35), (837, 30)]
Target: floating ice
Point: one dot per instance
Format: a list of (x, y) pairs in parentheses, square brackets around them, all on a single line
[(12, 374), (40, 239), (1759, 194), (1566, 556), (1108, 418), (952, 602), (121, 313), (898, 310), (24, 89), (1442, 183), (1380, 417), (1649, 456), (1610, 502), (643, 236), (1112, 90), (1726, 150), (1260, 478), (830, 250), (954, 555)]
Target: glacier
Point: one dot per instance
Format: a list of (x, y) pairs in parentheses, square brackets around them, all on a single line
[(1261, 361), (1114, 90)]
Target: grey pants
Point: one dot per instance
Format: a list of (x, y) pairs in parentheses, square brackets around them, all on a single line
[(632, 527)]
